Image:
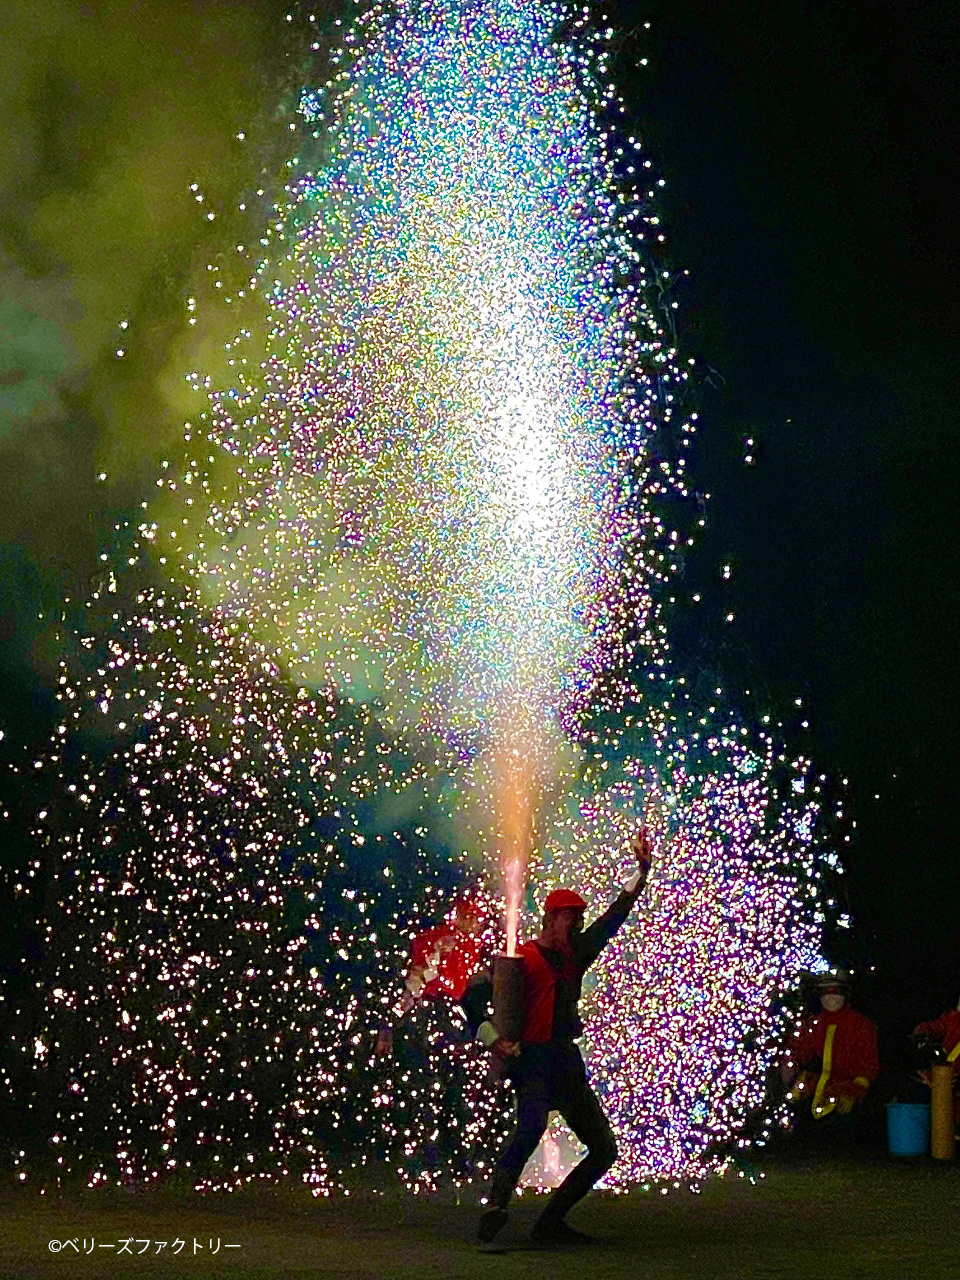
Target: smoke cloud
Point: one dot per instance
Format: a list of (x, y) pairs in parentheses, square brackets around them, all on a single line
[(108, 112)]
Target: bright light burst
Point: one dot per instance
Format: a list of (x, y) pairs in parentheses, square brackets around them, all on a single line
[(438, 444), (437, 489)]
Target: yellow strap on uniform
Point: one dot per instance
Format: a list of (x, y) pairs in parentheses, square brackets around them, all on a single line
[(817, 1106), (954, 1053)]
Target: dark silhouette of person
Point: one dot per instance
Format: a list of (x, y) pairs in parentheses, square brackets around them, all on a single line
[(545, 1066)]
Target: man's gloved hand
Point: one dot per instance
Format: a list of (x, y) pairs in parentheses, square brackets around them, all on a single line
[(844, 1105), (487, 1034)]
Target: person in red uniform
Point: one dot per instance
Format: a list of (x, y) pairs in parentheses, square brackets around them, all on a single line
[(833, 1060), (429, 1086), (443, 959), (945, 1031), (545, 1066)]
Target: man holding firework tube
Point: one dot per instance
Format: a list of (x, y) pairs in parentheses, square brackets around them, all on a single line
[(544, 1063)]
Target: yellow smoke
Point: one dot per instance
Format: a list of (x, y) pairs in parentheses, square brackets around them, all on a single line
[(108, 111)]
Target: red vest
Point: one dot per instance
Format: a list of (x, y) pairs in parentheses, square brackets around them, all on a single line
[(853, 1045), (539, 991)]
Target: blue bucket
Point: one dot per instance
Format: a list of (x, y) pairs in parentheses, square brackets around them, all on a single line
[(908, 1128)]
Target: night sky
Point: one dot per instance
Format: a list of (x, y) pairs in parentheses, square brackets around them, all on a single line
[(808, 153), (808, 149)]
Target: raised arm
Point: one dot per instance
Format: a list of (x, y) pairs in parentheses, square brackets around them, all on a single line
[(595, 937)]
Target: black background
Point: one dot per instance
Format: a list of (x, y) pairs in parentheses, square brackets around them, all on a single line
[(809, 152)]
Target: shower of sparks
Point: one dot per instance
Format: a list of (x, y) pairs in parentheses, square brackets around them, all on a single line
[(436, 452), (673, 1003), (437, 449), (426, 514)]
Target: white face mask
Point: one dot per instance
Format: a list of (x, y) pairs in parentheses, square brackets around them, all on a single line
[(832, 1001)]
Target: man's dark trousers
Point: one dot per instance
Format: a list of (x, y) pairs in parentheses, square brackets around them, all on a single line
[(551, 1077)]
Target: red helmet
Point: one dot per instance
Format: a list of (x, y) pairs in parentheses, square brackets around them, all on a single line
[(561, 899)]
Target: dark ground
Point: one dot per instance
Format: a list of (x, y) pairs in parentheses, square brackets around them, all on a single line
[(855, 1219)]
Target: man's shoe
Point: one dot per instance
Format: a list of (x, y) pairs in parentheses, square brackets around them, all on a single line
[(490, 1224), (556, 1234)]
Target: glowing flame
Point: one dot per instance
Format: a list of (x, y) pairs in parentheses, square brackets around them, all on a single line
[(519, 767)]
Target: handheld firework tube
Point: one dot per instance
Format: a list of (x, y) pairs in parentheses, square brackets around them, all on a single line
[(508, 1011), (942, 1143)]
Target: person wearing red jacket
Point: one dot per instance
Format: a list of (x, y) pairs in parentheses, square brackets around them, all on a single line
[(430, 1087), (945, 1029), (443, 959), (545, 1066), (833, 1060)]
